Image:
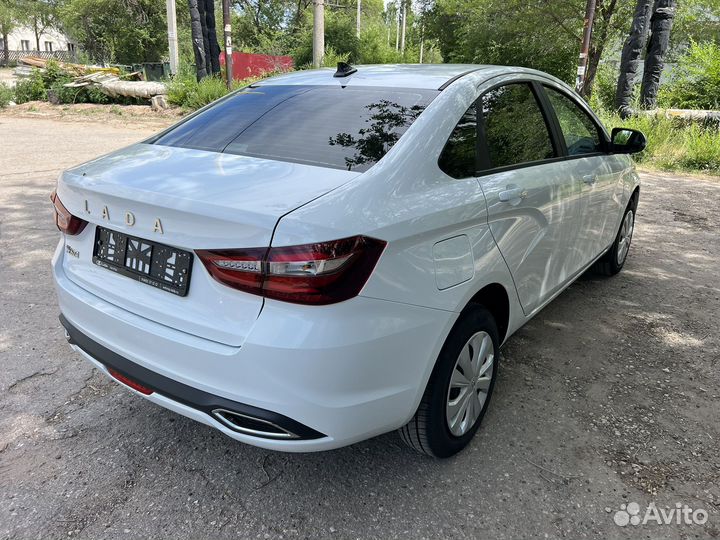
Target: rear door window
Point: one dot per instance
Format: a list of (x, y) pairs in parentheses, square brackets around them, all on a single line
[(459, 156), (330, 126), (514, 126)]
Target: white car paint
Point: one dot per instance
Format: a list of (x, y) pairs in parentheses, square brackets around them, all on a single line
[(357, 368)]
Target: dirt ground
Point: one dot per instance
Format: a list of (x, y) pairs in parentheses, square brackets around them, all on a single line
[(115, 115), (610, 396)]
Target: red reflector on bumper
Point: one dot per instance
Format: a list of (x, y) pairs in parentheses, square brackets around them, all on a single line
[(129, 382)]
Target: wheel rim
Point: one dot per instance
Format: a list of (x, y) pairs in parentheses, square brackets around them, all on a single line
[(470, 383), (626, 231)]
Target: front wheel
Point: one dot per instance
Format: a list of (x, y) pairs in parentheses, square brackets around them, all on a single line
[(613, 261), (459, 389)]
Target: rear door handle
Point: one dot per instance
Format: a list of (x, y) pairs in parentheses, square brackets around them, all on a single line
[(589, 178), (513, 195)]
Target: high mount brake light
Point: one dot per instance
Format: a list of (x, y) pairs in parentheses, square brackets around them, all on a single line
[(316, 274), (64, 220)]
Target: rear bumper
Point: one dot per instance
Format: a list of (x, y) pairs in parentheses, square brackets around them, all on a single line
[(330, 375)]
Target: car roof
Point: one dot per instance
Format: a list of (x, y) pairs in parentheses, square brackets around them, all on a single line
[(427, 76)]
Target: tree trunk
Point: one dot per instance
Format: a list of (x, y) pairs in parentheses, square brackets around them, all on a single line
[(660, 26), (606, 12), (6, 52), (213, 50), (630, 59), (197, 39)]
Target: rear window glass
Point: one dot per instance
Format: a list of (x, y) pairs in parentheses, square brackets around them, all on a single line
[(329, 126)]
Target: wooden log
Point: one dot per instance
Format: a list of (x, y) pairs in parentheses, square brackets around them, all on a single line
[(136, 89), (690, 115)]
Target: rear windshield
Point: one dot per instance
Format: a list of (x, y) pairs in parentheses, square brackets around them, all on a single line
[(330, 126)]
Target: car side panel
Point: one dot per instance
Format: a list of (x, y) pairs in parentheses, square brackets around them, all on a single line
[(537, 235), (409, 202), (601, 194)]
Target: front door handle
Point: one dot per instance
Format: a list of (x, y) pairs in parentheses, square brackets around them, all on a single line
[(513, 195), (589, 179)]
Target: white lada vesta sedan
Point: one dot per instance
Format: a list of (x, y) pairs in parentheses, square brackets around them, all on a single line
[(327, 256)]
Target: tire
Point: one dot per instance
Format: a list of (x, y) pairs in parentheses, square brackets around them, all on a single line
[(430, 431), (613, 261)]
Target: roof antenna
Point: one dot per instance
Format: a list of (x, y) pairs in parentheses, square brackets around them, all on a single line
[(344, 69)]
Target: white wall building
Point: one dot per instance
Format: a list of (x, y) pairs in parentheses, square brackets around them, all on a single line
[(51, 40)]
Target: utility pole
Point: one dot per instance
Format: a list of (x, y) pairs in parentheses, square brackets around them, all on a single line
[(228, 43), (402, 34), (357, 23), (172, 36), (318, 32), (585, 46)]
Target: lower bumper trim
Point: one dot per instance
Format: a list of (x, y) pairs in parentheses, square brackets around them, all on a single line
[(182, 393)]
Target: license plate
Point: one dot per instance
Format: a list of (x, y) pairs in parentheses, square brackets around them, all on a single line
[(161, 266)]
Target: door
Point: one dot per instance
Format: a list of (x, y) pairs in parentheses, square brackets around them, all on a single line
[(533, 202), (601, 187)]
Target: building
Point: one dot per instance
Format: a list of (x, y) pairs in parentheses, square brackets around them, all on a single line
[(52, 42)]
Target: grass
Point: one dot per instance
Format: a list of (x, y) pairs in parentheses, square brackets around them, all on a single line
[(673, 144)]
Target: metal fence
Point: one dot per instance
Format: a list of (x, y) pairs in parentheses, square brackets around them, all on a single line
[(15, 56)]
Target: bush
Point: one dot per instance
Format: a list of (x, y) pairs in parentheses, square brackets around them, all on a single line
[(603, 90), (695, 81), (53, 73), (31, 88), (83, 94), (6, 95), (185, 91)]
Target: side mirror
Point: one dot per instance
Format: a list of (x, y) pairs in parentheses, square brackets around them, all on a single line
[(627, 141)]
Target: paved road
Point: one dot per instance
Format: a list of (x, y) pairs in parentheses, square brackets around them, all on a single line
[(609, 396)]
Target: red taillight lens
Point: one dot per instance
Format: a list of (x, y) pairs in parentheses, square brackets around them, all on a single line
[(320, 273), (238, 268), (64, 220), (127, 381)]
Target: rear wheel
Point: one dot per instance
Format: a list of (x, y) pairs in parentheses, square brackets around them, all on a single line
[(459, 389), (613, 261)]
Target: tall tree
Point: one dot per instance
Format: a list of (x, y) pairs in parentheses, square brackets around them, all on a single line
[(39, 15), (8, 21), (122, 31), (630, 58), (608, 25), (660, 26)]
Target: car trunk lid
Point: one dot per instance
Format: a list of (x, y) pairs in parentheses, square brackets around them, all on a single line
[(187, 199)]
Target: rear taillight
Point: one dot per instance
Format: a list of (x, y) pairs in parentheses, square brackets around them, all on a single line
[(64, 220), (321, 273)]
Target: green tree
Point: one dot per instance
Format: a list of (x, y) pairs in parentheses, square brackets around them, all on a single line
[(39, 15), (8, 20), (540, 34), (125, 32)]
